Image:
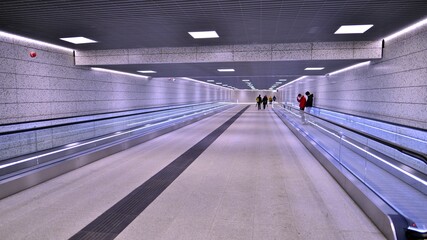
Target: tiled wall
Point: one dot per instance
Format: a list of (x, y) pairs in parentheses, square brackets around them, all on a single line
[(393, 89), (234, 53), (51, 86)]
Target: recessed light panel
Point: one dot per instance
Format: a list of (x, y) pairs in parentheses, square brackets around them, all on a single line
[(78, 40), (204, 34), (351, 29), (225, 70), (147, 71), (210, 80), (314, 68)]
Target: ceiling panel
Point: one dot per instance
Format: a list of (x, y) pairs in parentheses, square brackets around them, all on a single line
[(262, 74), (160, 23), (165, 23)]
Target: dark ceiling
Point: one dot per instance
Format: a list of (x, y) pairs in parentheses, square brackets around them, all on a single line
[(262, 74), (166, 23)]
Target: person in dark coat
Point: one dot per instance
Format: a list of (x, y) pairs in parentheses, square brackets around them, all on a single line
[(258, 101), (309, 102), (264, 101)]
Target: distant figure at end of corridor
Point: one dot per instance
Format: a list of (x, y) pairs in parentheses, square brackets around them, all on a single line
[(258, 101), (264, 101)]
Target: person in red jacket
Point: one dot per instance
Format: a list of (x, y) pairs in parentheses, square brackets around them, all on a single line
[(302, 101)]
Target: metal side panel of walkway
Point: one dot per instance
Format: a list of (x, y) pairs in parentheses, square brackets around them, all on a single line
[(254, 181)]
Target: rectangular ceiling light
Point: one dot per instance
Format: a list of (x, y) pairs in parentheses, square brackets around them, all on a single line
[(78, 40), (314, 68), (351, 29), (204, 34), (282, 80), (246, 80), (147, 71), (210, 80), (225, 70)]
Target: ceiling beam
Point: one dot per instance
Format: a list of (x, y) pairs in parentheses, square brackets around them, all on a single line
[(234, 53)]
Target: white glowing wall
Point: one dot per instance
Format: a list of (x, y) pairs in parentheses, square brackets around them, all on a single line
[(392, 89), (51, 86), (249, 96)]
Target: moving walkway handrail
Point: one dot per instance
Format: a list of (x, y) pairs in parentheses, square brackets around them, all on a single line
[(150, 110), (373, 119), (419, 155), (398, 222), (28, 170)]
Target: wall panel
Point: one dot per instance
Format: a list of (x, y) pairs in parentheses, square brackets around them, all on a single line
[(391, 89)]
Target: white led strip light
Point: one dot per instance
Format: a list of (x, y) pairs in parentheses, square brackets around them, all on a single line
[(351, 67), (300, 78), (406, 30), (32, 41), (207, 83), (118, 72)]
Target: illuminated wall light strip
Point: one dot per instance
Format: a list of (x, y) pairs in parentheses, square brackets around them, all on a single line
[(210, 84), (32, 41), (351, 67), (300, 78), (406, 30), (118, 72), (97, 140)]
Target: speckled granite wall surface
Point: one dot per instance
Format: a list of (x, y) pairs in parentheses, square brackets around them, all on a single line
[(51, 86), (232, 53), (393, 88)]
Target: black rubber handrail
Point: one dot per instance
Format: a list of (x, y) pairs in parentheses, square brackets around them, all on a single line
[(419, 155), (374, 119), (369, 118), (94, 120), (104, 113)]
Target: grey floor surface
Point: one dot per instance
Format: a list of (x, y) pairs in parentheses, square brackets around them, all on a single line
[(256, 181)]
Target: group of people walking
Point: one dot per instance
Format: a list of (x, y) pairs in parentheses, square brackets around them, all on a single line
[(264, 100), (305, 104)]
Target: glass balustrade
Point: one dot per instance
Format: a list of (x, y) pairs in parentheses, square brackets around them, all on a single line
[(23, 146), (389, 159)]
